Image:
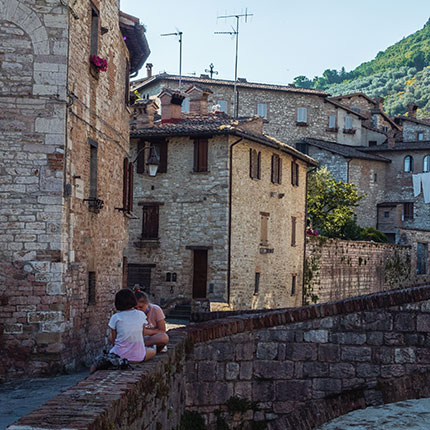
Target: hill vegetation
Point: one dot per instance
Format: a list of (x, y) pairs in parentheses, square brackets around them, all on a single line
[(400, 74)]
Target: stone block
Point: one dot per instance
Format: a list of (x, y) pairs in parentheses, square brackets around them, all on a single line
[(301, 352), (265, 369), (262, 391), (355, 353), (295, 390), (245, 351), (404, 322), (366, 370), (423, 323), (404, 355), (267, 350), (342, 370), (317, 336), (327, 385), (349, 338), (330, 353), (315, 370), (232, 371), (392, 338), (375, 338), (246, 370), (392, 371), (13, 329)]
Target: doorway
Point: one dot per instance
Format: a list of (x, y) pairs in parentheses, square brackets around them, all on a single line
[(200, 273)]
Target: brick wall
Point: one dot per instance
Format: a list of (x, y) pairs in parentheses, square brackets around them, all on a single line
[(337, 269), (292, 368)]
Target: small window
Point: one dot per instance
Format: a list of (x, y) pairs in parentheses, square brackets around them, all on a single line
[(426, 164), (185, 107), (293, 284), (375, 177), (375, 120), (373, 142), (408, 211), (91, 288), (264, 231), (293, 230), (223, 105), (94, 42), (262, 110), (150, 221), (302, 147), (127, 186), (294, 174), (422, 258), (93, 169), (348, 123), (256, 283), (332, 121), (420, 135), (386, 214), (254, 164), (276, 176), (302, 115), (384, 128), (200, 155), (408, 164)]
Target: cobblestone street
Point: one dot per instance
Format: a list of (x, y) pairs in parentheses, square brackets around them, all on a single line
[(407, 415)]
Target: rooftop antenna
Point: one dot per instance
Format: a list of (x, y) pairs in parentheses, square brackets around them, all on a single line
[(235, 33), (211, 70), (179, 34)]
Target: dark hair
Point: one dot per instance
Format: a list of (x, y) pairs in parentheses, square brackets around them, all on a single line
[(125, 300), (140, 295)]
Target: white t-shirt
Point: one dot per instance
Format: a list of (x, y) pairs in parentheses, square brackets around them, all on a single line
[(129, 334)]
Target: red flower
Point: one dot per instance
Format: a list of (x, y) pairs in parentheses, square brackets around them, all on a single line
[(99, 63)]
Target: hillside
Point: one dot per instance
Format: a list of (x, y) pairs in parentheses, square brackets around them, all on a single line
[(401, 74)]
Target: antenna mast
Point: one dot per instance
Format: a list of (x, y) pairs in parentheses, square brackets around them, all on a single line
[(235, 33), (177, 33)]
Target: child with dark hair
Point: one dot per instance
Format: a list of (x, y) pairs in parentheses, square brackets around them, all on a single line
[(126, 335), (155, 328)]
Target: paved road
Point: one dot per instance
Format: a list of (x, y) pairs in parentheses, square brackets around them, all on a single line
[(407, 415)]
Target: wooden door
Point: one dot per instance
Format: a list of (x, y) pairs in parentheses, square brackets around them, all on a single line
[(200, 273)]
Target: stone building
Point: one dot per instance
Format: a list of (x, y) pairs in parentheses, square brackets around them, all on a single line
[(64, 125), (224, 218)]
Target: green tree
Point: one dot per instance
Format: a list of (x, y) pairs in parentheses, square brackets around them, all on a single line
[(331, 203), (302, 82)]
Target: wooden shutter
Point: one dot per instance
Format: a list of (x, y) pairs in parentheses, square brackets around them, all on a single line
[(162, 168), (140, 168), (292, 172), (272, 176), (297, 174), (130, 187), (201, 155), (259, 165), (279, 170), (251, 164), (150, 222), (125, 182), (293, 230)]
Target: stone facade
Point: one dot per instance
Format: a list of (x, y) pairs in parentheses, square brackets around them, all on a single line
[(53, 104), (411, 128), (291, 369), (338, 269)]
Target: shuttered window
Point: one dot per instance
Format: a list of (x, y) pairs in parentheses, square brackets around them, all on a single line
[(302, 115), (127, 184), (200, 155), (254, 164), (276, 175), (332, 121), (293, 230), (294, 174), (150, 221), (262, 110), (348, 123), (94, 42)]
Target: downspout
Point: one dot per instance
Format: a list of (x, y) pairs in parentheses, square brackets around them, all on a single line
[(229, 218), (348, 160)]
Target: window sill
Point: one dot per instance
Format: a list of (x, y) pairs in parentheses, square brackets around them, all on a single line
[(349, 131), (301, 124), (331, 129), (147, 243), (206, 172)]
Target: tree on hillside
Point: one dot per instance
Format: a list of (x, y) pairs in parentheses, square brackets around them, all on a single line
[(331, 203)]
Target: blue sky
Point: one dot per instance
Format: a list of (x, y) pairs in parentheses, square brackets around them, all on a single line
[(283, 39)]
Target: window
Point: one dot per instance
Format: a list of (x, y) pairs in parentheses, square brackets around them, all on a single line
[(422, 258), (408, 211), (256, 283), (185, 107), (223, 106), (150, 221), (426, 164), (93, 169), (293, 284), (386, 214), (408, 164), (94, 42), (262, 110), (348, 123), (127, 186), (384, 128), (200, 155), (160, 149), (276, 176), (302, 115), (302, 147), (375, 120), (332, 121), (91, 288), (293, 230), (420, 135), (375, 177), (373, 142), (140, 274), (294, 174), (264, 238), (254, 164)]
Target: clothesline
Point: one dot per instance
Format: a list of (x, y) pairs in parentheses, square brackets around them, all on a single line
[(422, 179)]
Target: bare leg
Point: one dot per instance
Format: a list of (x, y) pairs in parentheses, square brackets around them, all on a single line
[(160, 340), (150, 354)]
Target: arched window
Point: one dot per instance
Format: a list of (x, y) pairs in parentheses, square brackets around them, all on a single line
[(426, 163), (408, 164)]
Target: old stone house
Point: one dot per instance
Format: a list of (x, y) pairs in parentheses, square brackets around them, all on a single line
[(64, 136), (224, 218)]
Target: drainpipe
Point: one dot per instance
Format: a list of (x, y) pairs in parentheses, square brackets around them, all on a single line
[(229, 218), (348, 160)]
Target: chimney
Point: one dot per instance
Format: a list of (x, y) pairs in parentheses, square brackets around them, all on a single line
[(380, 101), (171, 102), (148, 70), (198, 99), (391, 139), (143, 114), (412, 110)]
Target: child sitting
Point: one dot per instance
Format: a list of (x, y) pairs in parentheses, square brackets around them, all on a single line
[(155, 329), (126, 335)]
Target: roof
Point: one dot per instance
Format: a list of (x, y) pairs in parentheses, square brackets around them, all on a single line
[(346, 151), (400, 146), (357, 94), (348, 109), (135, 39), (423, 121), (240, 84), (217, 124)]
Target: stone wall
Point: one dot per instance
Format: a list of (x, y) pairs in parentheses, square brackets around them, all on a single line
[(411, 130), (290, 369), (337, 269)]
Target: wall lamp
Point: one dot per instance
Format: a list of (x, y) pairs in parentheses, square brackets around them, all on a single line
[(153, 160)]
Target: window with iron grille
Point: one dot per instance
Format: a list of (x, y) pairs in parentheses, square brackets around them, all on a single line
[(91, 288)]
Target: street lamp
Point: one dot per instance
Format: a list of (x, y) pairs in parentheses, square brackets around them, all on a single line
[(153, 160)]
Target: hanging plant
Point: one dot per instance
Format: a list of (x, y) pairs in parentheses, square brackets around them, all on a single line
[(100, 64)]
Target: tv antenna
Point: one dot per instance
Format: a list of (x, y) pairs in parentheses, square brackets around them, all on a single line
[(179, 34), (235, 33), (211, 70)]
